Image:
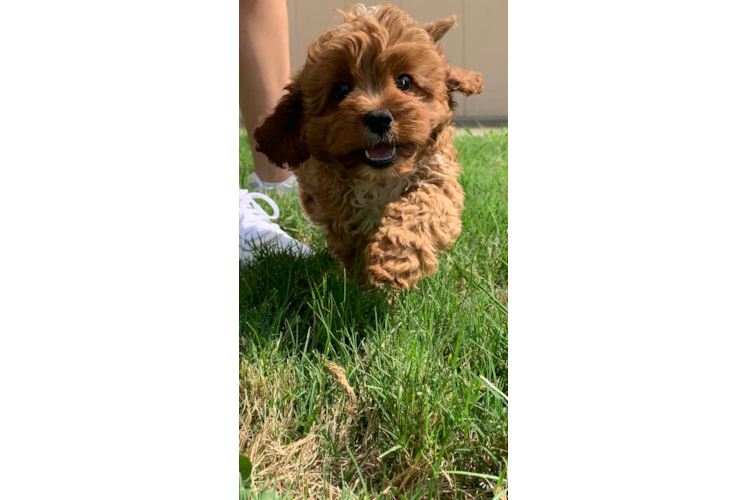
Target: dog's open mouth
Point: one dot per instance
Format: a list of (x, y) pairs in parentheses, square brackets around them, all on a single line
[(381, 155)]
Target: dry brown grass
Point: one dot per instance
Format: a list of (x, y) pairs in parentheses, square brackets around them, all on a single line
[(302, 466)]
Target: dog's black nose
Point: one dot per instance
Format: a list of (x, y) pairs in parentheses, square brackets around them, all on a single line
[(379, 121)]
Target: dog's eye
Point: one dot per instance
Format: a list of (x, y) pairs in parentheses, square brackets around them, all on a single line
[(341, 90), (404, 83)]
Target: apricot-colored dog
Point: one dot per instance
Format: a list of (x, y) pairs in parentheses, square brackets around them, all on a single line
[(366, 125)]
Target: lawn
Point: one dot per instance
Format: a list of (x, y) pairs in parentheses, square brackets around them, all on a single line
[(350, 393)]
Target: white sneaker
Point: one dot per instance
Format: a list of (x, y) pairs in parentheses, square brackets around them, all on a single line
[(286, 187), (255, 228)]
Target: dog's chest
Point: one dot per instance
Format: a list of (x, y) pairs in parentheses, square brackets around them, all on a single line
[(365, 202)]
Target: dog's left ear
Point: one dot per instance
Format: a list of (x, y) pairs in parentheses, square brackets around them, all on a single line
[(463, 80), (279, 136), (438, 29)]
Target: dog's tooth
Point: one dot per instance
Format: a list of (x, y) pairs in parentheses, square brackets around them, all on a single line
[(366, 152)]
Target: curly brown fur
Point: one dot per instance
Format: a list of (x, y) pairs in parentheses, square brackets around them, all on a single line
[(387, 224)]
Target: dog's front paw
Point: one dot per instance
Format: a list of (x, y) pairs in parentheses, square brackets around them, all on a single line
[(396, 266)]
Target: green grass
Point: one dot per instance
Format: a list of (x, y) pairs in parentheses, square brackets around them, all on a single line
[(428, 366)]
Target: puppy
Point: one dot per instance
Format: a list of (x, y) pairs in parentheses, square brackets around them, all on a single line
[(366, 126)]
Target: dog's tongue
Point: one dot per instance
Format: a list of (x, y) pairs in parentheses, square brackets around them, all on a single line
[(381, 151)]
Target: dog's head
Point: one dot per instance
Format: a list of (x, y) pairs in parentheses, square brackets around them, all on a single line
[(373, 93)]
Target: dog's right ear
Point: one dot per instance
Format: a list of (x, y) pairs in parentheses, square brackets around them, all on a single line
[(279, 136), (437, 29), (463, 80)]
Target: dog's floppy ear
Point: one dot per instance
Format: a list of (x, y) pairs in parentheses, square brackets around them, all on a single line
[(463, 80), (437, 29), (279, 136)]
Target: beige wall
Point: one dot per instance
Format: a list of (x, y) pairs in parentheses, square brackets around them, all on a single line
[(478, 42)]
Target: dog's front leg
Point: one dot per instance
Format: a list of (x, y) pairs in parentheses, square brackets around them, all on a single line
[(414, 230)]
